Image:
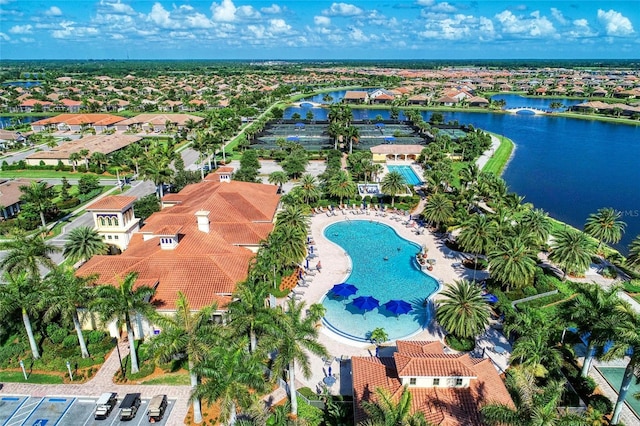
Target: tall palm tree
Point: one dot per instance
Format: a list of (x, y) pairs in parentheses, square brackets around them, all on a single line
[(534, 406), (293, 217), (591, 310), (626, 329), (65, 294), (232, 378), (462, 311), (84, 153), (308, 187), (512, 263), (633, 259), (290, 244), (135, 152), (27, 253), (278, 178), (22, 291), (341, 185), (83, 243), (352, 133), (477, 235), (438, 210), (538, 223), (122, 303), (186, 333), (39, 196), (572, 250), (605, 226), (385, 409), (248, 315), (298, 336), (393, 183), (536, 353), (74, 157), (157, 171)]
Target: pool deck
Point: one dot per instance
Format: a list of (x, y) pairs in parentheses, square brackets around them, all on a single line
[(336, 266)]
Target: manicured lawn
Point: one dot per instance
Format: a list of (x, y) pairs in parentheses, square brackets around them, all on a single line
[(43, 174), (18, 377), (499, 159), (172, 379)]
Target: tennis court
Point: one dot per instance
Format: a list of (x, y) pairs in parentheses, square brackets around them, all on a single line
[(454, 134)]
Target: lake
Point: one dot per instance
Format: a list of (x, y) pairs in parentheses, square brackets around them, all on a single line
[(568, 167), (6, 121)]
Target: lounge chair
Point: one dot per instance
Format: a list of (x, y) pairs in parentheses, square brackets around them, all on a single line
[(297, 292), (295, 296), (303, 284)]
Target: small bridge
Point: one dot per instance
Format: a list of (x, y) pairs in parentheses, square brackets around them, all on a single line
[(307, 104), (536, 111)]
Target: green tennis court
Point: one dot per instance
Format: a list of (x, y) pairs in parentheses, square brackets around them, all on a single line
[(454, 134), (613, 375)]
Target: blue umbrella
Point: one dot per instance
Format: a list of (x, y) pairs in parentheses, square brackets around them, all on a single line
[(365, 303), (491, 298), (398, 307), (344, 289)]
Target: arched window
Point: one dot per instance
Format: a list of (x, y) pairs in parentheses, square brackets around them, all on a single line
[(101, 220)]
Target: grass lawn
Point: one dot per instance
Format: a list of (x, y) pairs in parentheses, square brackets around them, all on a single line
[(43, 174), (171, 379), (18, 377), (500, 158)]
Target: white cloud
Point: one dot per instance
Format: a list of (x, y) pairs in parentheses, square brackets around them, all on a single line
[(21, 29), (160, 16), (443, 7), (271, 10), (581, 29), (53, 11), (247, 12), (3, 36), (69, 30), (557, 14), (342, 9), (533, 25), (356, 34), (117, 7), (322, 21), (425, 2), (615, 23), (27, 39), (224, 12), (279, 26)]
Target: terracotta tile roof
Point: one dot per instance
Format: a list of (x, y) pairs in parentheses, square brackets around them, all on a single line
[(161, 119), (204, 266), (75, 119), (451, 406), (112, 203), (105, 144), (10, 192)]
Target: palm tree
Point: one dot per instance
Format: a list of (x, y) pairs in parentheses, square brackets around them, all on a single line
[(308, 186), (537, 222), (290, 244), (439, 209), (22, 291), (231, 377), (341, 185), (158, 172), (393, 183), (84, 153), (605, 226), (135, 152), (278, 178), (572, 250), (536, 353), (186, 333), (293, 217), (386, 409), (352, 133), (100, 160), (27, 254), (633, 259), (512, 262), (83, 243), (122, 303), (534, 406), (462, 311), (297, 337), (74, 157), (477, 235), (248, 315), (626, 329), (591, 310), (65, 294), (38, 195)]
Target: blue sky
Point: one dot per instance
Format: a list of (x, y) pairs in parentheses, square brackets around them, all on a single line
[(312, 29)]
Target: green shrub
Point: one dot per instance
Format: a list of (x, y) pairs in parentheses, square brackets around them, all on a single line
[(71, 341), (56, 333), (313, 416), (460, 344), (529, 291), (68, 204), (584, 385), (96, 336), (609, 272), (601, 404)]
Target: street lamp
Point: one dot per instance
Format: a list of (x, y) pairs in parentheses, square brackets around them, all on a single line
[(69, 369)]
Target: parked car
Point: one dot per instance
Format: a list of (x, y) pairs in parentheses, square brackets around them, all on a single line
[(157, 407), (104, 405), (129, 406)]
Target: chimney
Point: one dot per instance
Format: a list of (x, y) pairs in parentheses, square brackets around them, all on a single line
[(203, 220)]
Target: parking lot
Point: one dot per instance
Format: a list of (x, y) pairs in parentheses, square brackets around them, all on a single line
[(20, 410)]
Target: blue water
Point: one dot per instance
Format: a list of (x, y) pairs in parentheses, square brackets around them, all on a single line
[(359, 114), (516, 101), (368, 244), (6, 121), (407, 172), (25, 84)]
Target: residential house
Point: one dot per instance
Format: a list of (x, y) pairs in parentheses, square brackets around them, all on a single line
[(356, 97), (105, 144), (10, 194), (76, 122), (448, 389)]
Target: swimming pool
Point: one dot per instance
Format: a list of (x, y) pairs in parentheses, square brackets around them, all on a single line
[(407, 173), (383, 266), (613, 375)]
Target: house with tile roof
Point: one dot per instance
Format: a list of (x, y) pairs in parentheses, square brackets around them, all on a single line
[(10, 194), (448, 389), (114, 219), (201, 243), (106, 144)]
